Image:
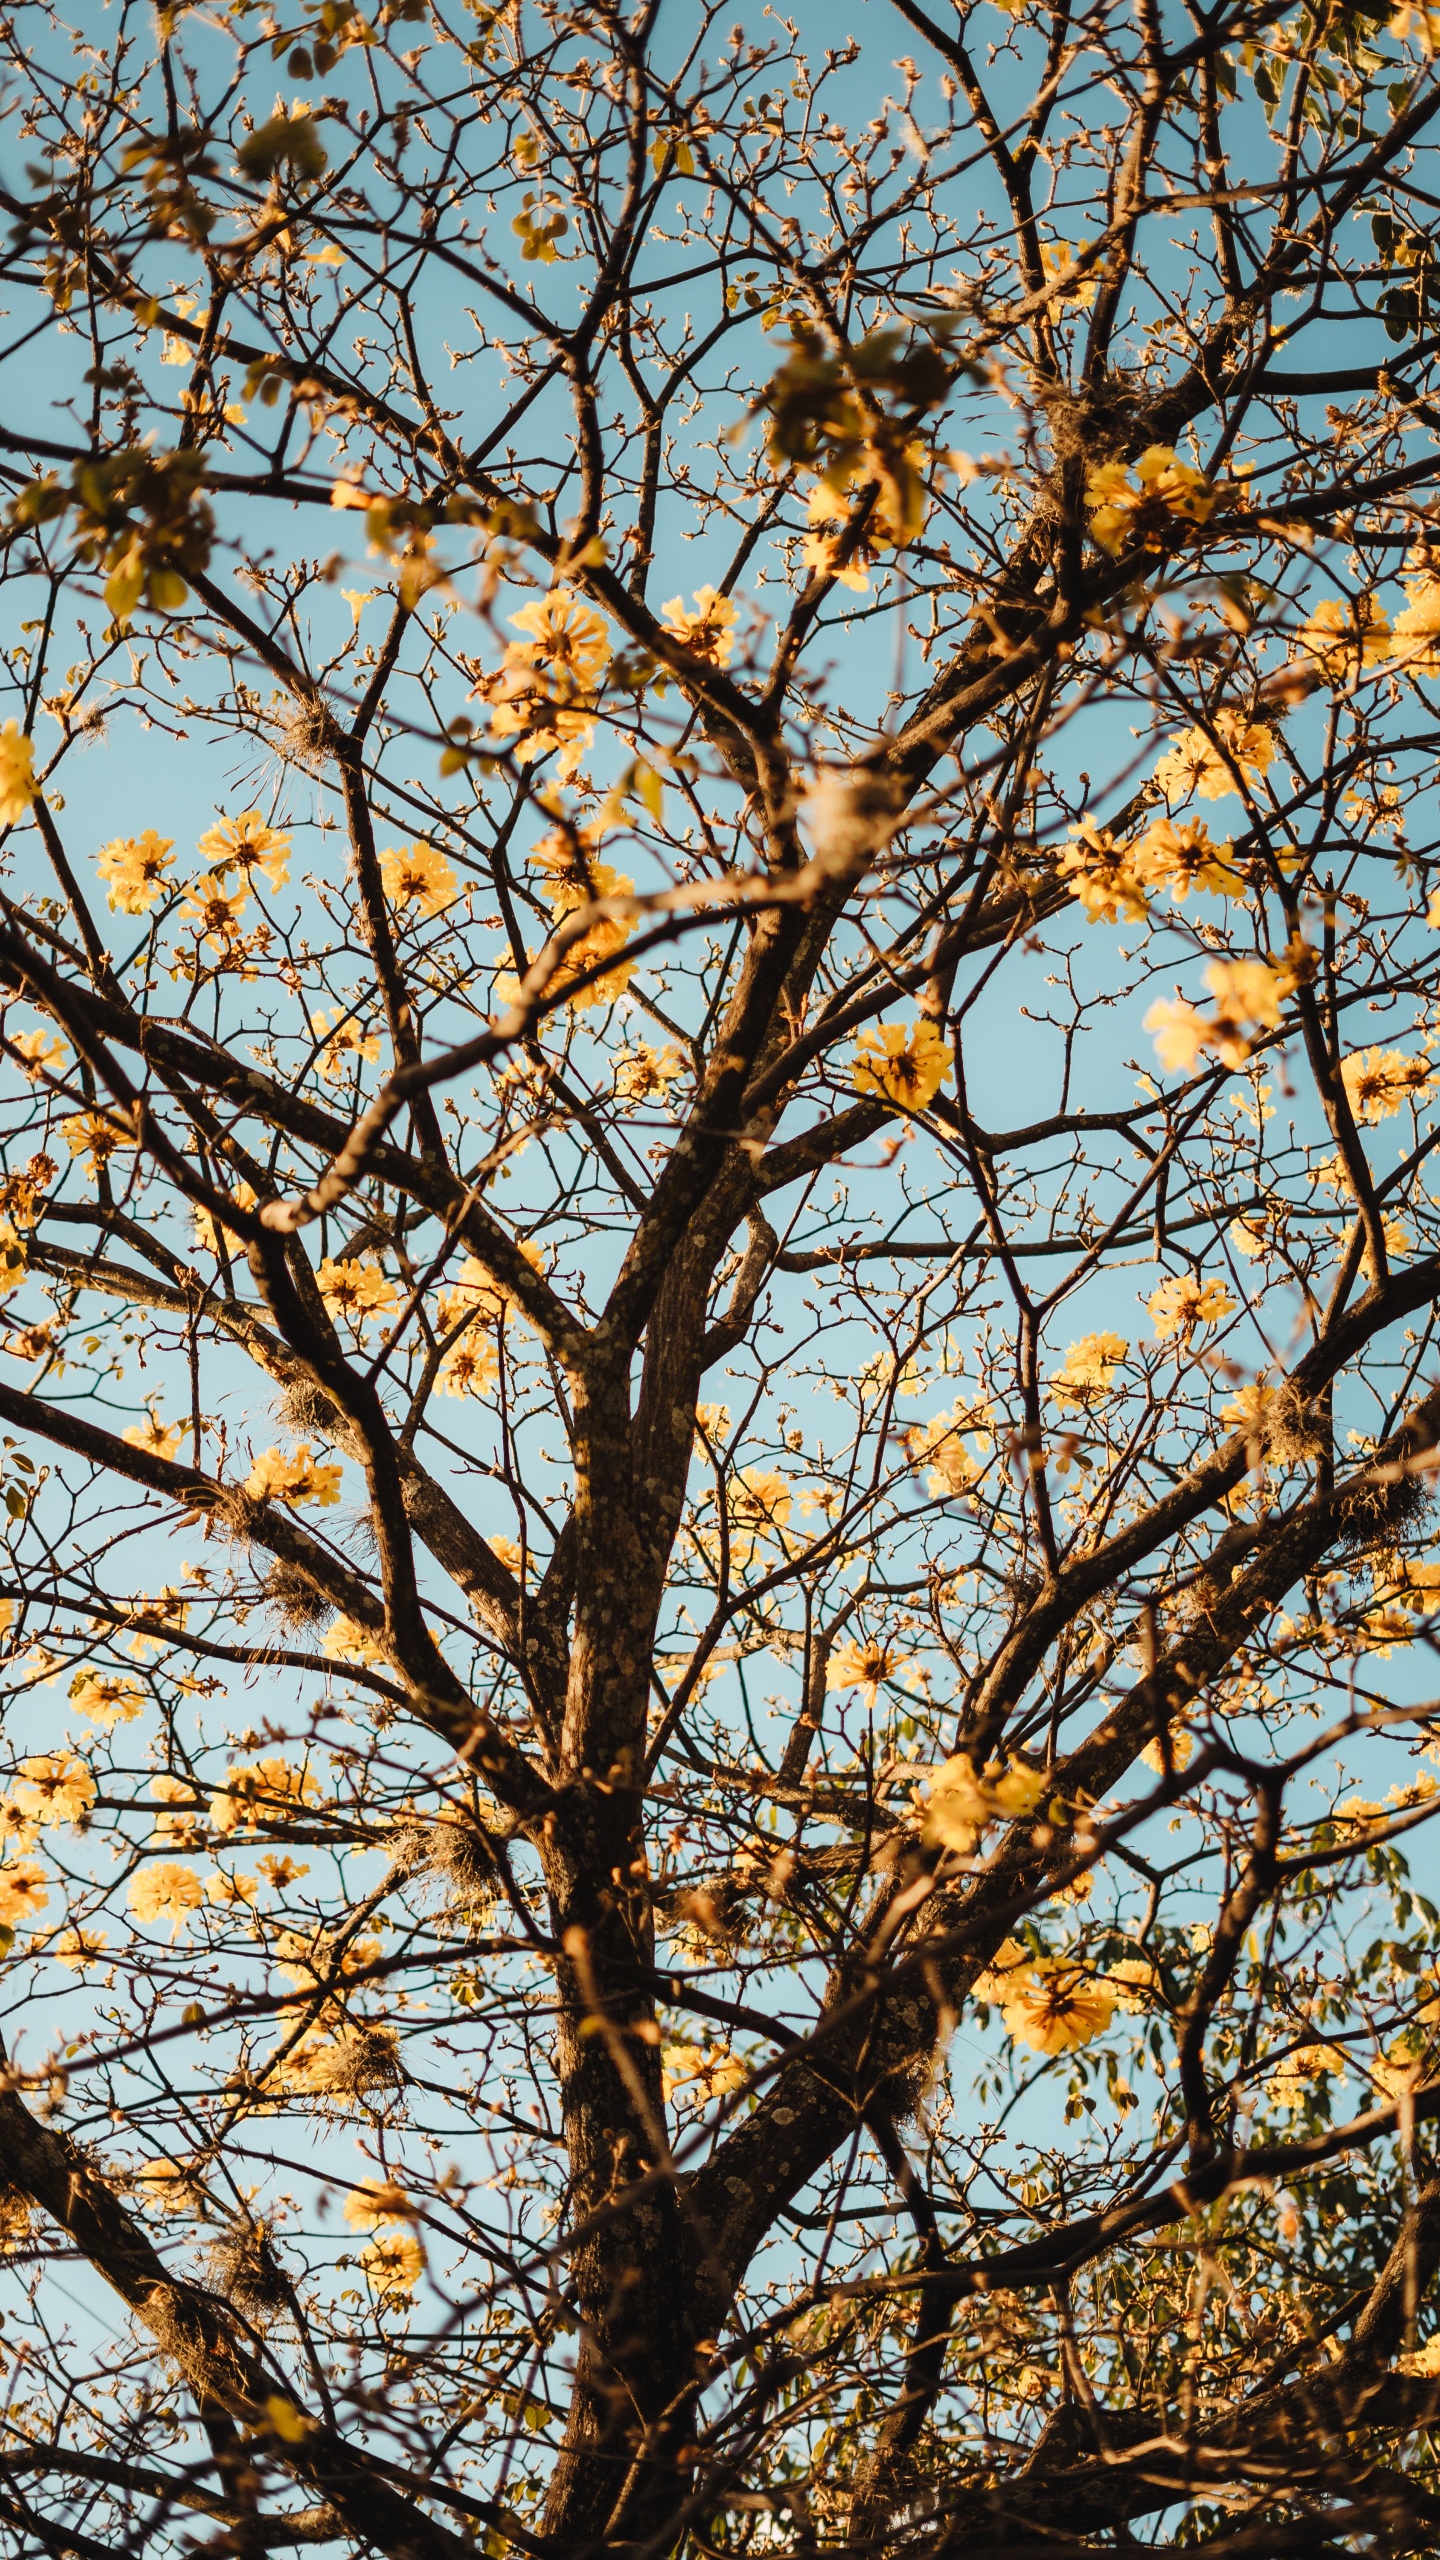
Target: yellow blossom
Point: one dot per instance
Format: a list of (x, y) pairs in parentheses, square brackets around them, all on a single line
[(1402, 2071), (1181, 1747), (52, 1789), (229, 1892), (75, 1948), (243, 1196), (468, 1368), (863, 1663), (1184, 858), (710, 2070), (1088, 1369), (96, 1137), (565, 638), (1343, 635), (166, 1892), (642, 1072), (1102, 876), (266, 1791), (342, 1039), (134, 868), (708, 632), (106, 1701), (417, 874), (1398, 1242), (356, 1289), (1003, 1974), (24, 1892), (1380, 1081), (1134, 1984), (281, 1475), (18, 787), (1248, 995), (1425, 2361), (1060, 263), (904, 1067), (158, 1439), (573, 884), (247, 843), (349, 1642), (1195, 763), (1146, 507), (1180, 1033), (1184, 1301), (1058, 2009), (214, 913), (374, 2204), (1415, 644), (962, 1799), (393, 2262), (953, 1469)]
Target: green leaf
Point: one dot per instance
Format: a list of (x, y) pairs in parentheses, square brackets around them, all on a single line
[(286, 142)]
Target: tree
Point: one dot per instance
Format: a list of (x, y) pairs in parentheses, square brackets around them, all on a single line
[(723, 1468)]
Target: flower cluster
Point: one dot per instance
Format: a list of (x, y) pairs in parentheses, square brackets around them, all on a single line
[(1379, 1082), (964, 1800), (1185, 1301), (543, 695), (1087, 1372), (245, 844), (1148, 502), (1208, 760), (281, 1475), (357, 1289), (418, 875), (1249, 996), (134, 870), (1114, 881), (900, 1066)]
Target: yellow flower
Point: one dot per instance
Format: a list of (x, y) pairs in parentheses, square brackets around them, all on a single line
[(1416, 641), (1425, 2361), (18, 787), (348, 1642), (567, 641), (229, 1892), (643, 1072), (393, 2262), (863, 1664), (1088, 1369), (1179, 1304), (905, 1067), (1058, 2009), (214, 913), (53, 1789), (568, 891), (1248, 995), (243, 1196), (1402, 2071), (954, 1470), (1182, 1747), (342, 1039), (416, 874), (75, 1948), (158, 1439), (23, 1892), (1180, 1034), (372, 2205), (962, 1800), (135, 868), (1379, 1081), (1194, 763), (1008, 1966), (1102, 876), (1183, 858), (708, 632), (107, 1702), (267, 1791), (97, 1138), (280, 1475), (358, 1290), (1060, 265), (468, 1368), (1344, 634), (1398, 1242), (247, 844), (1135, 1985), (1163, 493), (166, 1892), (710, 2069)]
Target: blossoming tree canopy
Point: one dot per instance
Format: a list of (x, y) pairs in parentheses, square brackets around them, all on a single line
[(719, 983)]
